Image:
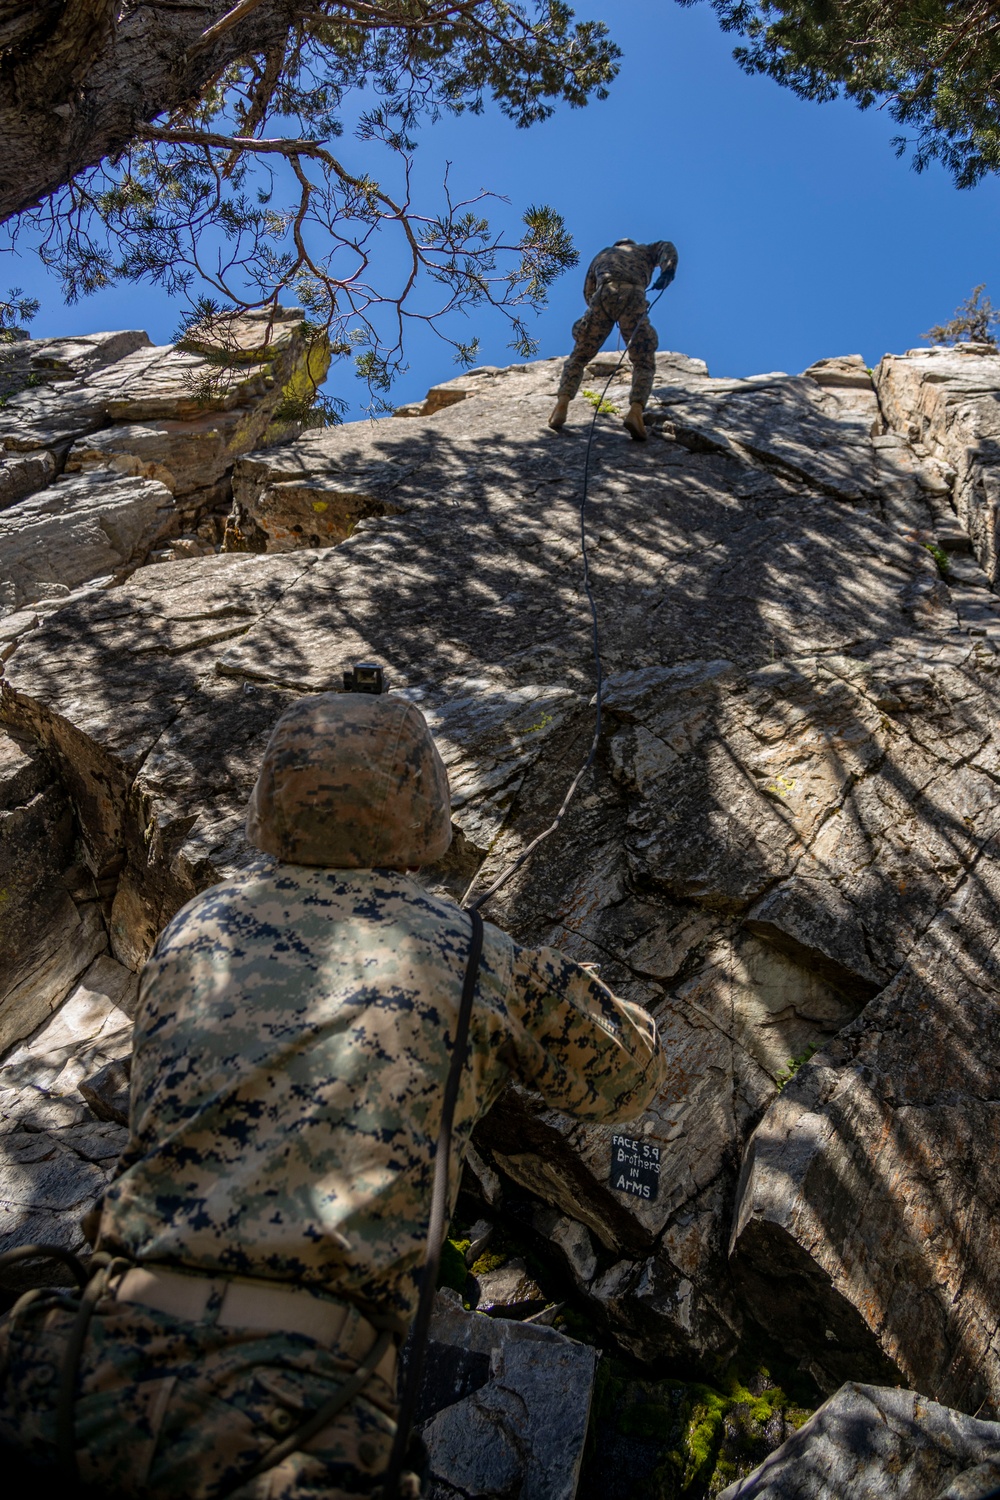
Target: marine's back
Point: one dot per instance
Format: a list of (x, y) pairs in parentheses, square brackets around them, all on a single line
[(291, 1045)]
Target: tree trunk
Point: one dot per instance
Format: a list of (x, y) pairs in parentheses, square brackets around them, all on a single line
[(76, 83)]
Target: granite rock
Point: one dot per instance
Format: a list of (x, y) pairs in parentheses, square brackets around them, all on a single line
[(55, 1154), (503, 1407), (107, 1090), (136, 716), (868, 1441), (509, 1291), (943, 401), (794, 789), (76, 529), (47, 938), (869, 1199), (109, 445)]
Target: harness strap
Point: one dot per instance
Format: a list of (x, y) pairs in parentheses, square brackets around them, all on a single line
[(69, 1374), (94, 1288), (436, 1226), (321, 1417), (47, 1252)]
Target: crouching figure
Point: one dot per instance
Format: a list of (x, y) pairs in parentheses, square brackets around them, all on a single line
[(615, 291), (262, 1239)]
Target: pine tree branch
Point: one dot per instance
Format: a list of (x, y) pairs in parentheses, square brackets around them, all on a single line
[(292, 150), (228, 21)]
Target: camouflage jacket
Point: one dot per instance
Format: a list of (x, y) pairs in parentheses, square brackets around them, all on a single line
[(291, 1046), (629, 264)]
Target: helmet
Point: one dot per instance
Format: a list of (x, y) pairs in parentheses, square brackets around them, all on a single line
[(351, 780)]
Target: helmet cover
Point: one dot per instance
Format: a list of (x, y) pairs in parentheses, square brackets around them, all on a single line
[(351, 781)]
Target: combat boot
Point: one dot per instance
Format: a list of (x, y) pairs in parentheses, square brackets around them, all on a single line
[(559, 413), (633, 422)]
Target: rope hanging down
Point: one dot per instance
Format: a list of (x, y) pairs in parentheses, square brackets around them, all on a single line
[(540, 838)]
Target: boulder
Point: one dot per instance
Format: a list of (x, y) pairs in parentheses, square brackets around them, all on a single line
[(55, 1154), (868, 1441), (503, 1407), (509, 1291), (107, 1090)]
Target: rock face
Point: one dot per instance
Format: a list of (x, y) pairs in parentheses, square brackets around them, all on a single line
[(878, 1158), (866, 1441), (55, 1154), (943, 401), (50, 924), (143, 717), (786, 850)]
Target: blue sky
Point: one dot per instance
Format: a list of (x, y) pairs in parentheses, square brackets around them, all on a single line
[(800, 234)]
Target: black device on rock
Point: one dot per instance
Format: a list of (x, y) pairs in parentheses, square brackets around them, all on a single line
[(366, 677)]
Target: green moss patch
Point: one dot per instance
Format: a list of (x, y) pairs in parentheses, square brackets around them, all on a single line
[(680, 1440), (454, 1272)]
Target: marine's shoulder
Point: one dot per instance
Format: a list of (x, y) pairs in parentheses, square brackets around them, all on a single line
[(434, 905), (266, 890), (441, 910)]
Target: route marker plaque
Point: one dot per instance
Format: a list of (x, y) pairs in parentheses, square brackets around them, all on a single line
[(635, 1167)]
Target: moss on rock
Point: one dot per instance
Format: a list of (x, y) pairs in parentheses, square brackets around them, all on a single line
[(453, 1271), (681, 1440)]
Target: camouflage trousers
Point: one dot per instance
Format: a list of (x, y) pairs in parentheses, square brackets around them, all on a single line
[(167, 1408), (625, 304)]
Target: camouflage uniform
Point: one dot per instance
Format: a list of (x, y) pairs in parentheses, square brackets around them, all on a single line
[(168, 1407), (615, 290), (292, 1040)]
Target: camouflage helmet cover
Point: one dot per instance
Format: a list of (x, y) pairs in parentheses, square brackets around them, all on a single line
[(351, 781)]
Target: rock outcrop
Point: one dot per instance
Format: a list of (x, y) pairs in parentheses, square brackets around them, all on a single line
[(110, 446), (943, 403), (504, 1407), (786, 852), (866, 1441)]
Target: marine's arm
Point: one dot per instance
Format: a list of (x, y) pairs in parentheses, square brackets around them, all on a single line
[(667, 262), (585, 1051)]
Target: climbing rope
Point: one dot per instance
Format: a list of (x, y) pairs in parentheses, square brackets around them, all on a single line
[(540, 838)]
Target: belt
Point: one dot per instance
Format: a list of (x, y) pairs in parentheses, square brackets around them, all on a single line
[(264, 1306)]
